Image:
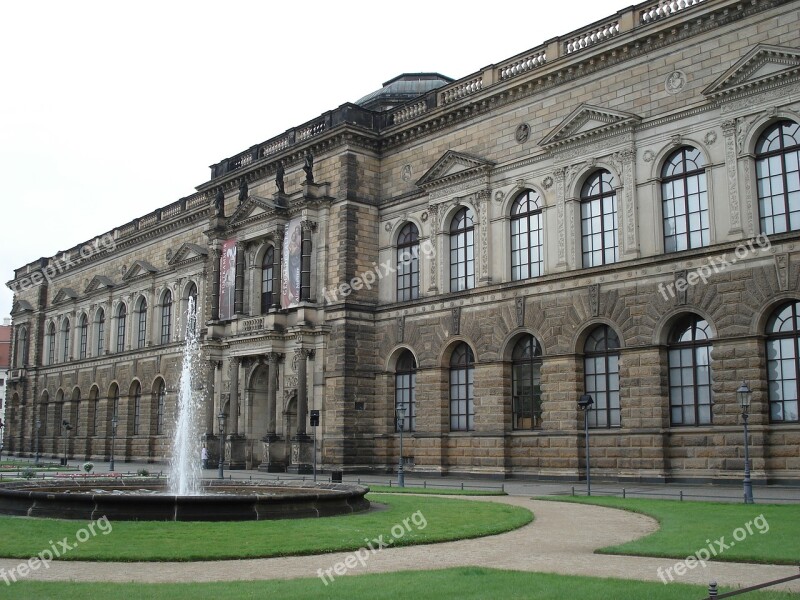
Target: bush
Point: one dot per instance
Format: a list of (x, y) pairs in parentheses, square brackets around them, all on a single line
[(88, 467), (28, 473), (143, 473)]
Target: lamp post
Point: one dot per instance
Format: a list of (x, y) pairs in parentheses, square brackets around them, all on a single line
[(744, 395), (38, 425), (401, 423), (585, 404), (67, 428), (220, 464), (114, 423)]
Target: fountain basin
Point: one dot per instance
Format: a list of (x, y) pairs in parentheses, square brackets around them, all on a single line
[(137, 499)]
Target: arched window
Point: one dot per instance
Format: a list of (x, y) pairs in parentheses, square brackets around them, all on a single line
[(783, 362), (101, 331), (526, 390), (405, 390), (690, 372), (141, 322), (161, 398), (267, 274), (113, 399), (526, 236), (84, 336), (778, 177), (408, 263), (136, 392), (305, 265), (462, 251), (684, 200), (191, 298), (122, 316), (599, 220), (166, 317), (601, 376), (94, 408), (51, 344), (462, 375), (22, 348), (65, 340), (43, 414)]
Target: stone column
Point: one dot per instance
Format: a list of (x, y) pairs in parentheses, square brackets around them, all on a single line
[(216, 255), (276, 268), (302, 391), (272, 391), (238, 294), (233, 418), (433, 210), (211, 390)]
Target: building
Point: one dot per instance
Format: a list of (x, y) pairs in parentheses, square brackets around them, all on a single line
[(5, 362), (615, 212)]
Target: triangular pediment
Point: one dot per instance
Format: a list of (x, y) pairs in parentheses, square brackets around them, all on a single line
[(187, 253), (65, 295), (452, 166), (98, 282), (762, 65), (141, 268), (587, 121), (21, 306), (252, 207)]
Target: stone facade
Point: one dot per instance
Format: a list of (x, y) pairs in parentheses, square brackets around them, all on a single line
[(621, 97)]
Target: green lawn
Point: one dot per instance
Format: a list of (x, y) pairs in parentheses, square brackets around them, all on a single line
[(689, 527), (465, 583), (385, 489), (447, 519)]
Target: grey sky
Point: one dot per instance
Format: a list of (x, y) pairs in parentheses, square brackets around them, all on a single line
[(109, 110)]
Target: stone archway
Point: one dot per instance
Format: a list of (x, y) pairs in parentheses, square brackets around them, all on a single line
[(256, 416)]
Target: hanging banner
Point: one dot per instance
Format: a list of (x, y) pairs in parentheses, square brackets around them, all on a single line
[(292, 258), (227, 280)]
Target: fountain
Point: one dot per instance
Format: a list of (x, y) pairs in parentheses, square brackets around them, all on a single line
[(184, 497)]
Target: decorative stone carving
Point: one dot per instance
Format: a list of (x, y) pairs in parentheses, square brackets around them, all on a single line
[(559, 175), (682, 289), (594, 299), (675, 82), (405, 173), (711, 138), (483, 201), (782, 269), (522, 133), (401, 329), (455, 315), (519, 305), (388, 226), (547, 182), (499, 196), (729, 131), (648, 156), (433, 209)]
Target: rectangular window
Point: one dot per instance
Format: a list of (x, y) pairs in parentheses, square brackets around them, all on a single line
[(84, 340), (462, 409)]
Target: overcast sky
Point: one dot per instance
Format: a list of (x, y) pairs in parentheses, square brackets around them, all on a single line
[(109, 110)]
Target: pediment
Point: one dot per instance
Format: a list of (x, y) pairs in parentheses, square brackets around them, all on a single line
[(188, 252), (98, 282), (21, 306), (452, 166), (141, 268), (65, 295), (252, 207), (763, 65), (588, 121)]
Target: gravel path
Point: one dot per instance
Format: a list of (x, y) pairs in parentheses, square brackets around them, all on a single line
[(561, 539)]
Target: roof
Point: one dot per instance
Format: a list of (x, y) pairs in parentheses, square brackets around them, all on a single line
[(402, 89)]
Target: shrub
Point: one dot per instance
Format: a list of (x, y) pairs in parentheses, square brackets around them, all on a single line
[(88, 467)]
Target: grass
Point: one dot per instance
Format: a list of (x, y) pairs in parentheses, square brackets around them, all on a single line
[(385, 489), (446, 519), (465, 583), (688, 527)]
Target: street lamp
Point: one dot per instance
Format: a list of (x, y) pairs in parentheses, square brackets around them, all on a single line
[(114, 423), (744, 395), (221, 419), (585, 404), (36, 452), (67, 428), (401, 422)]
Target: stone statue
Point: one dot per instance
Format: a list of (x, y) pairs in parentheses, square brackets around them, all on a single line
[(219, 203), (279, 178), (243, 190), (309, 168)]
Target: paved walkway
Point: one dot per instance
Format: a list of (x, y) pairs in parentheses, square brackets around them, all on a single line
[(561, 539)]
